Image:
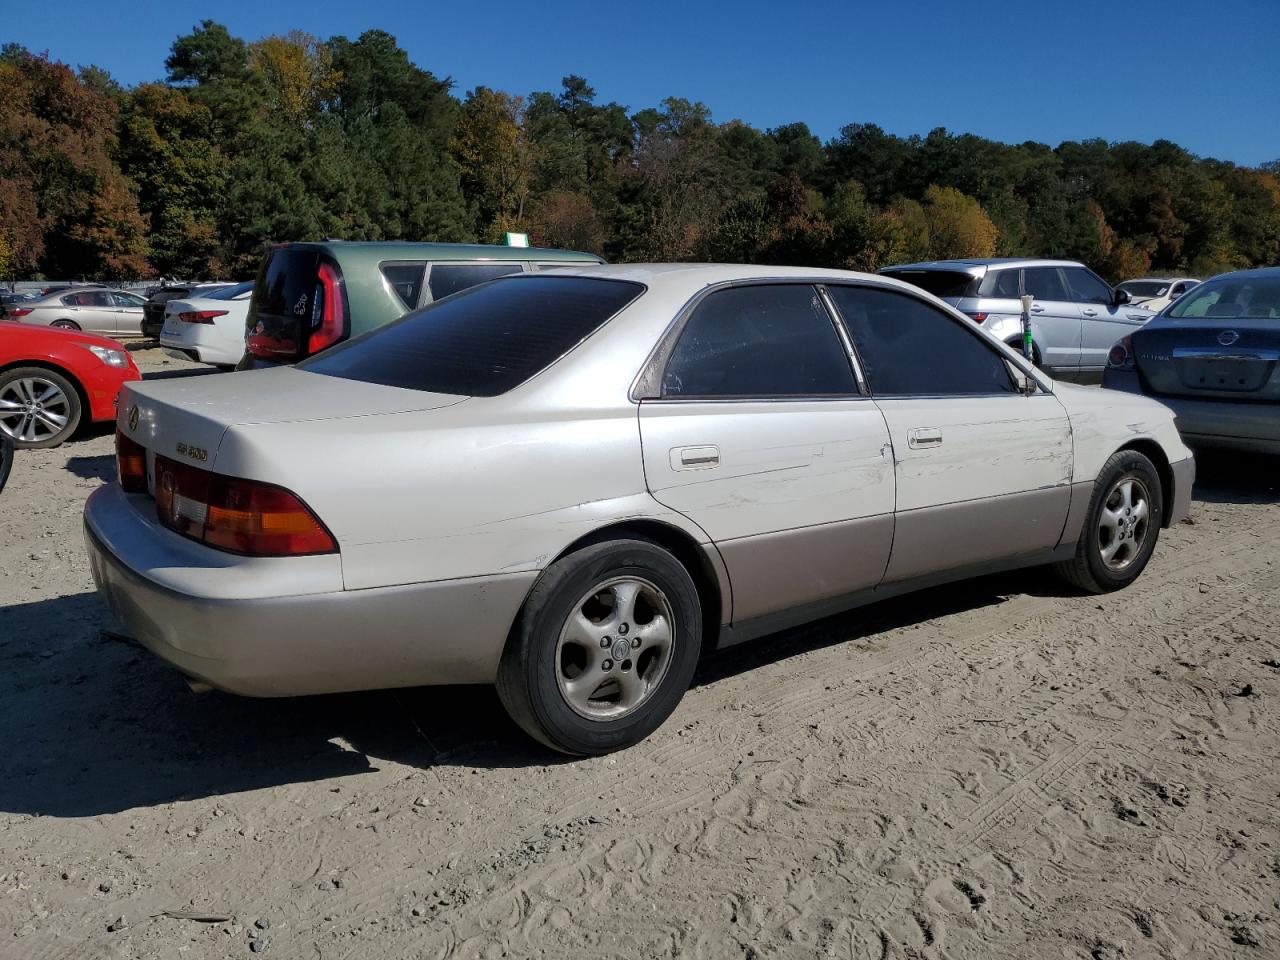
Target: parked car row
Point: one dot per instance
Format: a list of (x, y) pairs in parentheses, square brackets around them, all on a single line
[(91, 309)]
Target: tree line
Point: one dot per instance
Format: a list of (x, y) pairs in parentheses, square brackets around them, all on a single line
[(293, 137)]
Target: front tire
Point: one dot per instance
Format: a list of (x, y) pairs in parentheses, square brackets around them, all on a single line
[(38, 408), (1121, 528), (604, 648)]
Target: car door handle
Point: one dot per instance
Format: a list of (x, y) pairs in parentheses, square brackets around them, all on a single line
[(695, 458), (1090, 313), (924, 437), (1036, 308)]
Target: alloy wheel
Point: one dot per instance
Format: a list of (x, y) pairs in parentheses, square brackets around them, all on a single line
[(615, 647), (1123, 522), (33, 409)]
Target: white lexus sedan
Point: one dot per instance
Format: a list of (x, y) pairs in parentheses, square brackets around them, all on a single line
[(208, 328), (573, 484)]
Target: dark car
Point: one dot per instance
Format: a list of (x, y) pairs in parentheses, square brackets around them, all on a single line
[(1213, 356), (153, 309)]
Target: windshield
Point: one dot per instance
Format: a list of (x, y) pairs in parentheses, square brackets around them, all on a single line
[(231, 293), (484, 340), (1235, 296), (1145, 288)]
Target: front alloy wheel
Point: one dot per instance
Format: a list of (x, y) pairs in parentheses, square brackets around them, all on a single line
[(38, 408), (1122, 523)]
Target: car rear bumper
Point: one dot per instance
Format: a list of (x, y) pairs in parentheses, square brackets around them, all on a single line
[(201, 342), (298, 642), (1212, 423)]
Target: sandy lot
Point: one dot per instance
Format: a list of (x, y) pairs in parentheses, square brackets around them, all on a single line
[(995, 769)]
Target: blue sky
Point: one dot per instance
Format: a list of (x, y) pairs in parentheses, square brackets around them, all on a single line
[(1204, 75)]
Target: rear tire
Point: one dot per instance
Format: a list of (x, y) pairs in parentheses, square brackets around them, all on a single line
[(561, 678), (1121, 527), (65, 325), (38, 407)]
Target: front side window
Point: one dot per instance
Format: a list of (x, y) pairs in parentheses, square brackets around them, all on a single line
[(759, 341), (406, 280), (909, 348), (1044, 283), (1086, 288), (127, 300), (449, 278), (483, 342)]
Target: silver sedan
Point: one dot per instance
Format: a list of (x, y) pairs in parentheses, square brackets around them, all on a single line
[(91, 309), (574, 483)]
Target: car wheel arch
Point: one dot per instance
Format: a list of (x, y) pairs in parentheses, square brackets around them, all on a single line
[(61, 371), (709, 578), (1155, 453)]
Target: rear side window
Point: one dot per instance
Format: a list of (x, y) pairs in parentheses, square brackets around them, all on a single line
[(759, 341), (1002, 284), (909, 348), (551, 265), (406, 280), (449, 278), (483, 342), (1044, 283), (1086, 288), (941, 283)]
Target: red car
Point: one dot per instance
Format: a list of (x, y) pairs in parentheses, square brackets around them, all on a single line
[(53, 380)]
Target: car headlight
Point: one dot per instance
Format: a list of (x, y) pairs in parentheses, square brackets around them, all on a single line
[(112, 358)]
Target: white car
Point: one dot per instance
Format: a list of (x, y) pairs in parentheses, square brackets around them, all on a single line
[(209, 328), (1156, 293), (572, 484)]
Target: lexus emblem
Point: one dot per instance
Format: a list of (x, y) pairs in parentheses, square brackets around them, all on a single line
[(133, 417), (1228, 337)]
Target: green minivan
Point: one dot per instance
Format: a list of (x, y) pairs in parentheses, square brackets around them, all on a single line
[(310, 296)]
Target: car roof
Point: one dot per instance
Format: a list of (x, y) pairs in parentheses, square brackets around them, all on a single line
[(692, 276), (409, 250), (973, 265)]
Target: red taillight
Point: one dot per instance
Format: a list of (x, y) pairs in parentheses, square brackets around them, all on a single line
[(331, 324), (237, 515), (200, 316), (978, 317), (131, 464), (17, 312), (1121, 355)]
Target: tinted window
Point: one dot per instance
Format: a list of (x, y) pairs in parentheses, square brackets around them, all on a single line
[(1086, 288), (405, 280), (231, 293), (909, 348), (1044, 283), (941, 283), (759, 341), (1238, 295), (449, 278), (1002, 284), (551, 265), (484, 341)]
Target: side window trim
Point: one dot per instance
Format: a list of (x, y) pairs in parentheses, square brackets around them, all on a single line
[(647, 385), (965, 324)]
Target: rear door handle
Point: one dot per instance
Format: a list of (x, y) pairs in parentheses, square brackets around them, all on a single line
[(695, 458), (1090, 313), (924, 437), (1036, 308)]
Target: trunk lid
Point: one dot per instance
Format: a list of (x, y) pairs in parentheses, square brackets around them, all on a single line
[(185, 419), (1214, 359)]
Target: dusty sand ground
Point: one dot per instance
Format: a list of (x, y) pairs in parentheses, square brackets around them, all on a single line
[(995, 769)]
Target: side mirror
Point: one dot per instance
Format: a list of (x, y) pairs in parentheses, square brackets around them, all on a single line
[(1121, 297)]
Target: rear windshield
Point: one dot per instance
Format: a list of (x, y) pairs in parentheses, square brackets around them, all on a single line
[(230, 293), (1240, 296), (485, 340), (941, 283)]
